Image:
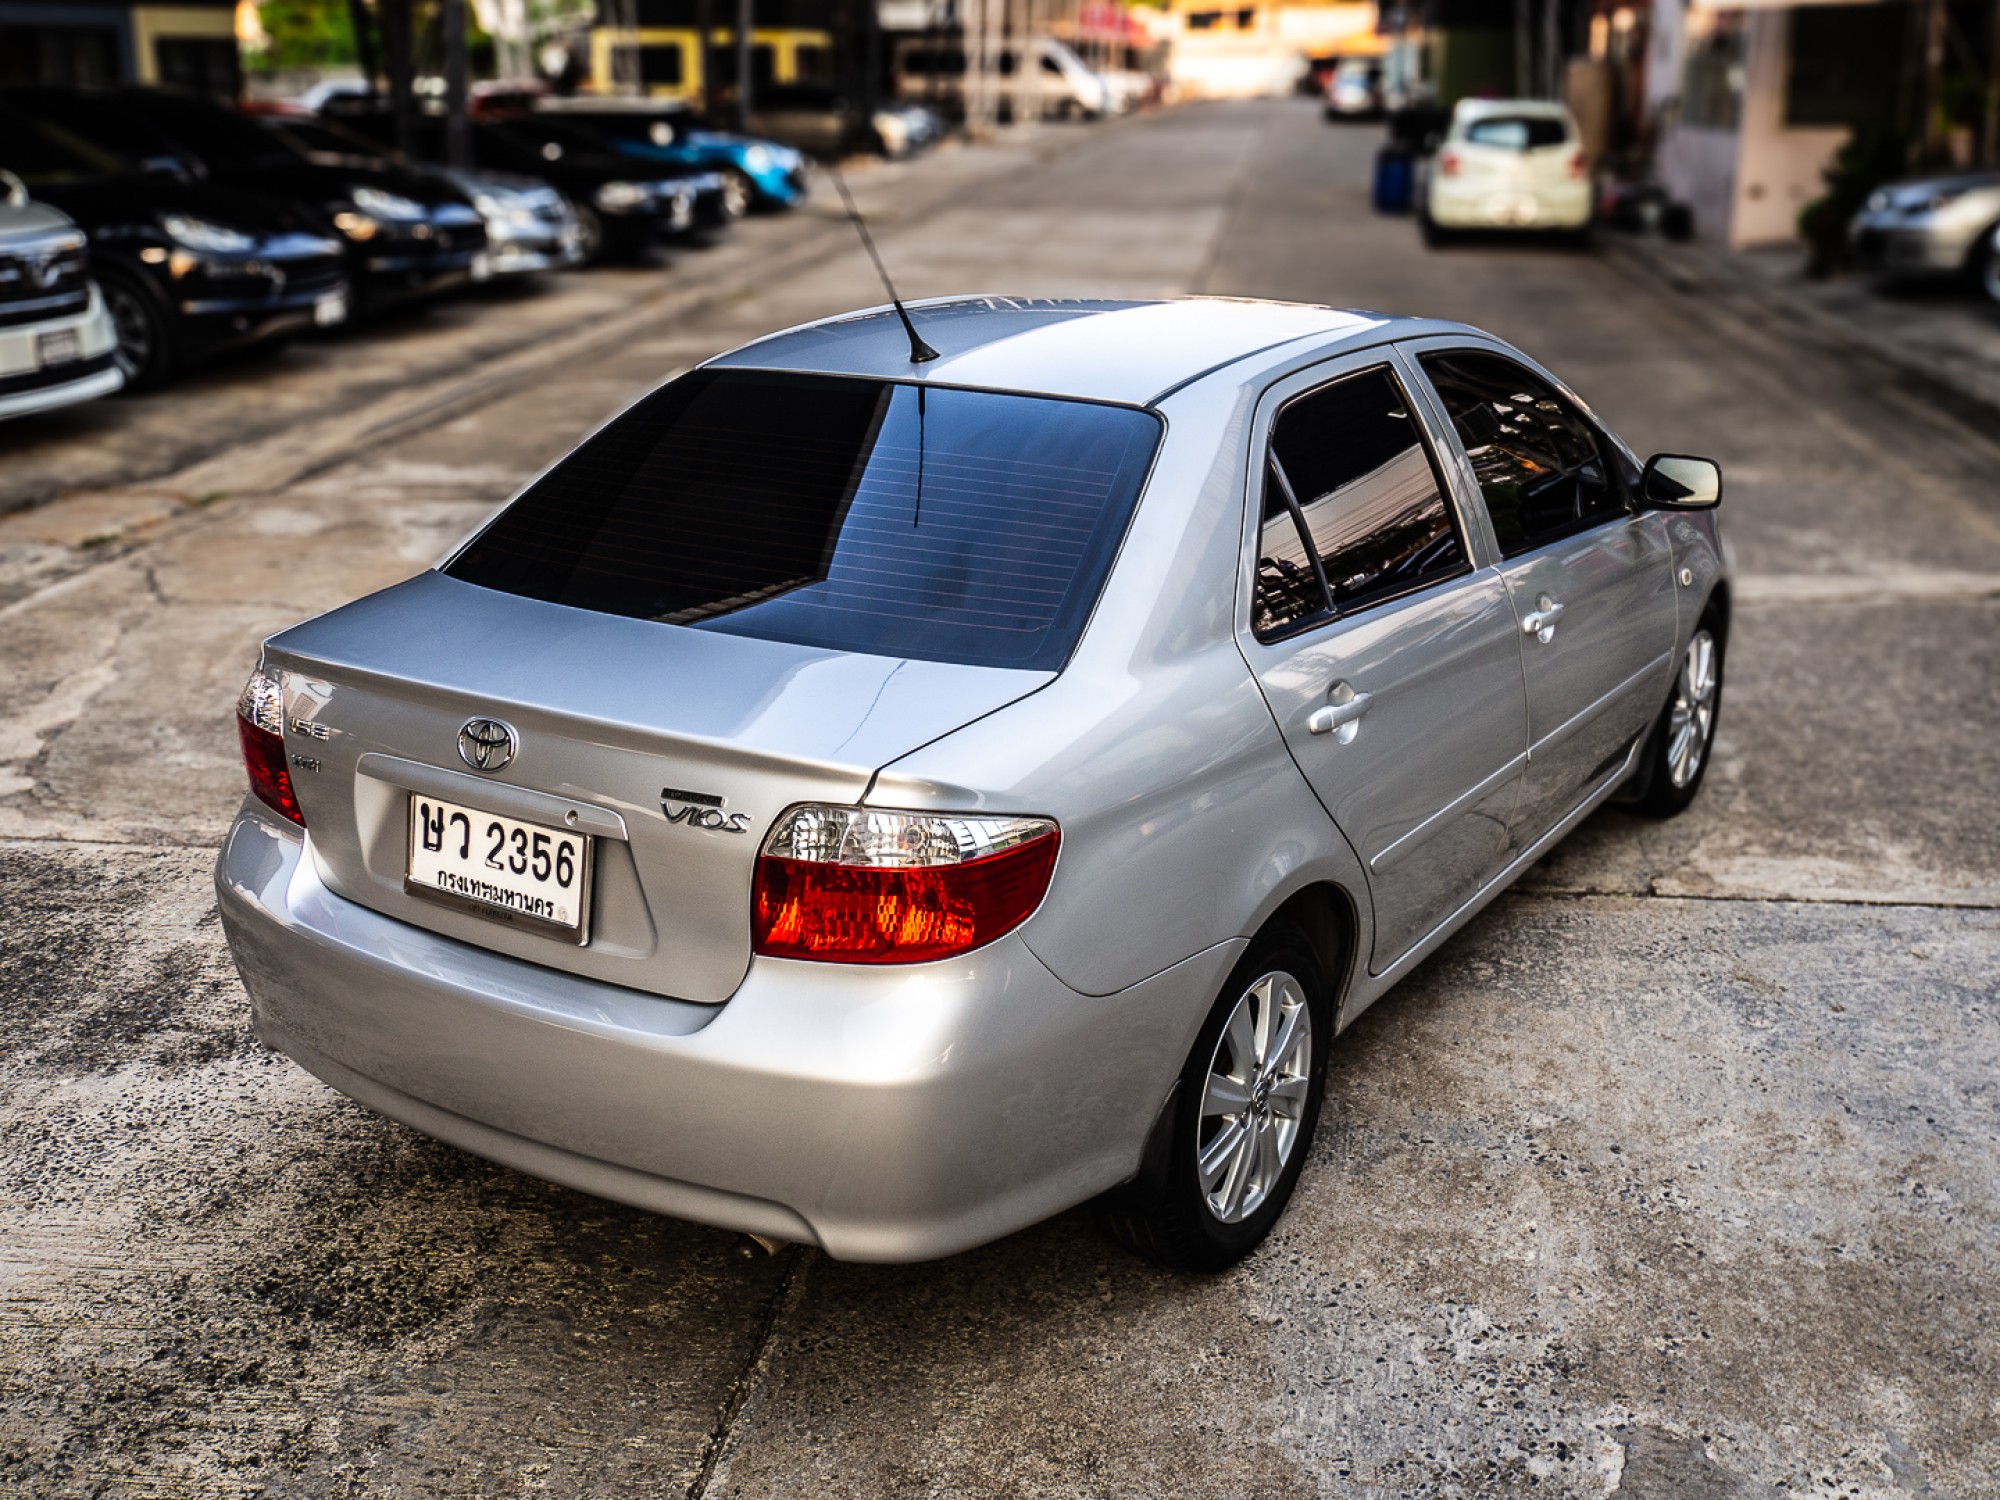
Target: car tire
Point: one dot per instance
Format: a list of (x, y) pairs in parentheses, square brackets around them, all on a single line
[(1201, 1204), (739, 193), (589, 235), (144, 320), (1682, 741), (1986, 264), (1435, 234)]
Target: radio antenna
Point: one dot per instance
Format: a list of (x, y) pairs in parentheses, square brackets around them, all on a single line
[(920, 352)]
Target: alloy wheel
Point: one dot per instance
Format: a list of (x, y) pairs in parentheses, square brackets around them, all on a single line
[(1691, 718), (133, 322), (735, 195), (1258, 1080)]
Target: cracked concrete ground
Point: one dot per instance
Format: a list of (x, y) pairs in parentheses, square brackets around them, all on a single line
[(1677, 1174)]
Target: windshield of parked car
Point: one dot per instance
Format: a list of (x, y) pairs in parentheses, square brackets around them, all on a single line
[(851, 514), (44, 155), (1517, 132)]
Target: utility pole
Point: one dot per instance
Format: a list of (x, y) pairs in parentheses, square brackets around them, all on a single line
[(1934, 39), (1989, 145), (1552, 49), (396, 42), (363, 25), (1524, 48), (744, 102), (457, 130)]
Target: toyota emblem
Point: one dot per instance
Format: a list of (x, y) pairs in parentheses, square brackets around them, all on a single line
[(487, 744)]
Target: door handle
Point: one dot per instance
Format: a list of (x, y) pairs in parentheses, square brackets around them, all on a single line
[(1540, 622), (1343, 715)]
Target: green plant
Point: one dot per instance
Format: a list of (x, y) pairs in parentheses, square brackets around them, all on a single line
[(1872, 155)]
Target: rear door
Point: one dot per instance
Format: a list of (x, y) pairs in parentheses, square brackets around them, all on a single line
[(1589, 574), (1390, 659)]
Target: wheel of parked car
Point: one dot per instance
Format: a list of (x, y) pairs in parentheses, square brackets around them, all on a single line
[(144, 321), (1989, 265), (1243, 1115), (1684, 735), (589, 235), (738, 193)]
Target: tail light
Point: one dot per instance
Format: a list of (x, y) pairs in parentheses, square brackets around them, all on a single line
[(1449, 164), (1579, 165), (857, 885), (260, 725)]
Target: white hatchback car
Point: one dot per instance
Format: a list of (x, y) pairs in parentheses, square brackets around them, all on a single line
[(1509, 164)]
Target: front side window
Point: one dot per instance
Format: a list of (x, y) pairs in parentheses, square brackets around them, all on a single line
[(1348, 468), (1543, 470), (848, 514)]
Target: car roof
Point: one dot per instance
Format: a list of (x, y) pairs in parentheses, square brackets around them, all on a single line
[(1094, 349)]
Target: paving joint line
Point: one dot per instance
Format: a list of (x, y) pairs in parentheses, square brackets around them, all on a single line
[(1751, 898), (722, 1437)]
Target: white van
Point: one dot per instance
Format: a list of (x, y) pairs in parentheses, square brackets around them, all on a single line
[(933, 72)]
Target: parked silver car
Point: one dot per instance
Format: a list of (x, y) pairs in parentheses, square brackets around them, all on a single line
[(56, 339), (879, 804), (1930, 227)]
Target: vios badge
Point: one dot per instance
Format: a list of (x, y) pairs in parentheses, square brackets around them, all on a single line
[(701, 810), (487, 744)]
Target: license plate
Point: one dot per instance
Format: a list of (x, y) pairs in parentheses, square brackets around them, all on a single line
[(500, 867), (57, 348), (329, 310)]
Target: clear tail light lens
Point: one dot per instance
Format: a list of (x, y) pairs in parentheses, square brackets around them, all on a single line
[(860, 885), (260, 725)]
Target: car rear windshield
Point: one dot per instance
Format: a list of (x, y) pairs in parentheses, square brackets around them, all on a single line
[(1517, 132), (851, 514)]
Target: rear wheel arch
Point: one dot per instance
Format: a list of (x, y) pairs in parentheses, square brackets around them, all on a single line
[(1330, 920)]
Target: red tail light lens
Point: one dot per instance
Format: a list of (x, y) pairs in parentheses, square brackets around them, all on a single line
[(853, 885), (1579, 165), (260, 725), (1449, 164)]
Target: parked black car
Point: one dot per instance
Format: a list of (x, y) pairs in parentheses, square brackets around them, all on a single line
[(406, 232), (187, 269), (623, 206)]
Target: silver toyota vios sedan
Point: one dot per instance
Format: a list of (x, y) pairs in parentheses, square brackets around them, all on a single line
[(879, 804)]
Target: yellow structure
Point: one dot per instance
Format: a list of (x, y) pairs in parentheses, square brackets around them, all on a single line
[(154, 24), (667, 61)]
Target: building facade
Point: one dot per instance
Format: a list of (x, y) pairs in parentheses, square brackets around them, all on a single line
[(187, 44)]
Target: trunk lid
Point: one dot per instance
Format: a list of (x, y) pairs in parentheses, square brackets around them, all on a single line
[(614, 716)]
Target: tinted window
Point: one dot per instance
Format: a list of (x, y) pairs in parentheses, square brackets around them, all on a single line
[(45, 155), (218, 136), (858, 515), (1543, 470), (1517, 133), (1366, 491)]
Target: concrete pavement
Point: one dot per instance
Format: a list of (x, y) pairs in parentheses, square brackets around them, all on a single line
[(1676, 1174)]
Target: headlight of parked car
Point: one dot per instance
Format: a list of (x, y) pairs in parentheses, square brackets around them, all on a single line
[(385, 205), (199, 235), (620, 197)]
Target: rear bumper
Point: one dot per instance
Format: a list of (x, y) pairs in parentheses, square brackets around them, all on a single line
[(1488, 206), (885, 1115)]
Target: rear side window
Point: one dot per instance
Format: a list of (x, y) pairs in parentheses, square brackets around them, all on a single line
[(1544, 470), (1517, 132), (854, 515), (1351, 495)]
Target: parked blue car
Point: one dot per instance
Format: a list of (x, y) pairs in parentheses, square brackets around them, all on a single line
[(764, 173)]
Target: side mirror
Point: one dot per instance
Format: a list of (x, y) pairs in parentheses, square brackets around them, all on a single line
[(1676, 481), (13, 191)]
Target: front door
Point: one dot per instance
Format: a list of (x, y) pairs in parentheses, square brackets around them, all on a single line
[(1590, 576), (1391, 664)]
